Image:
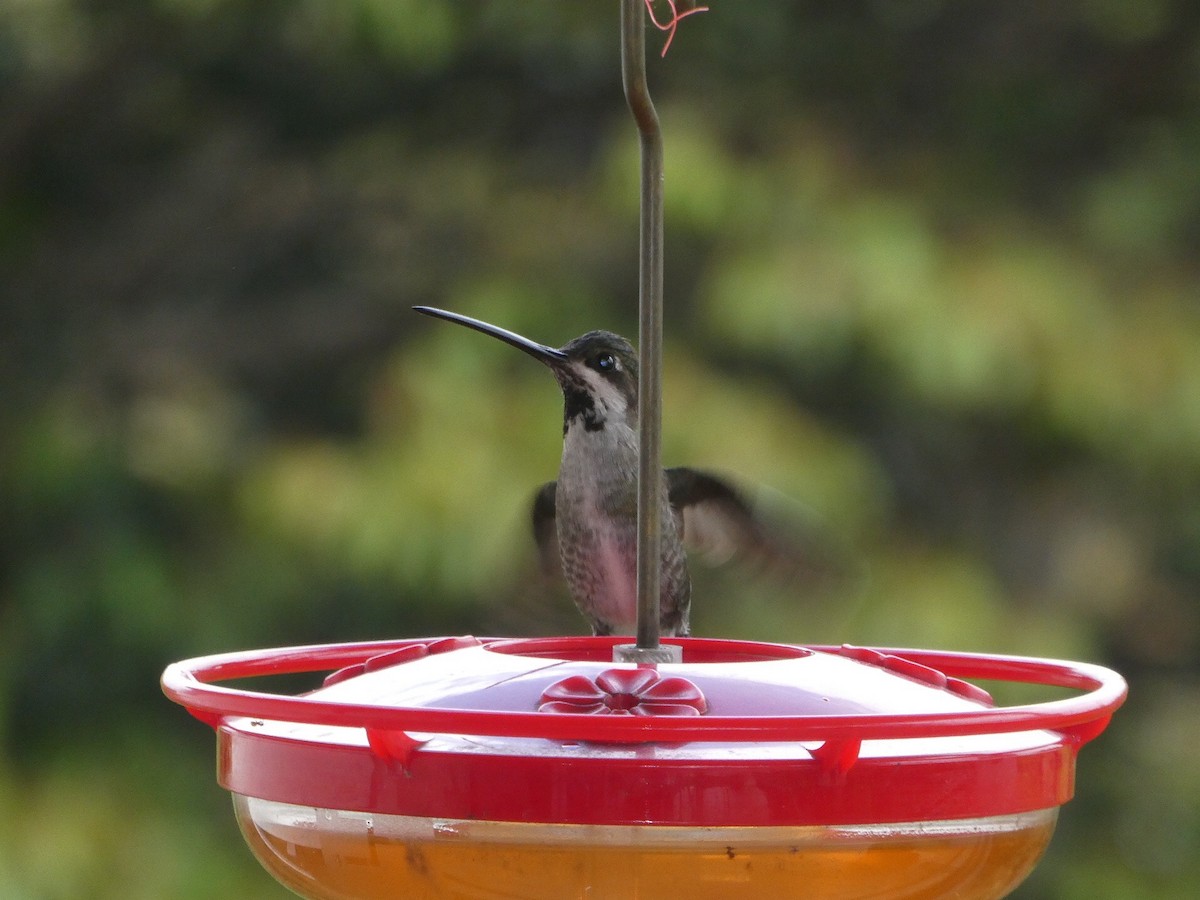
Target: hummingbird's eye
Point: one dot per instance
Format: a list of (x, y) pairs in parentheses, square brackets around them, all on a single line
[(605, 362)]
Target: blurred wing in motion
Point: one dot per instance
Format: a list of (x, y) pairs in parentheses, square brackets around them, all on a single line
[(721, 523), (545, 529)]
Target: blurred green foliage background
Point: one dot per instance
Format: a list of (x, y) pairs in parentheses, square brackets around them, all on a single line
[(932, 272)]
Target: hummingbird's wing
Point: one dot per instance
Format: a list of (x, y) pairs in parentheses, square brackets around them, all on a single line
[(536, 600), (545, 530), (720, 522)]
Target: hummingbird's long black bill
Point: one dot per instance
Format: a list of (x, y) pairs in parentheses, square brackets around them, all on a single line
[(549, 355)]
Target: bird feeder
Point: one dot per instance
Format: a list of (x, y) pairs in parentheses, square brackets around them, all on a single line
[(539, 768), (551, 768)]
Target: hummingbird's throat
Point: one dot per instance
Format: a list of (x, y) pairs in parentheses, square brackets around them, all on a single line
[(592, 401), (578, 404)]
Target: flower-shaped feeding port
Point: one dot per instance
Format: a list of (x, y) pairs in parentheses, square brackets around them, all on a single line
[(625, 692)]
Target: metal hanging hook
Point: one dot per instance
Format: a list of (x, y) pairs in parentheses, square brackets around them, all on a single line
[(650, 315)]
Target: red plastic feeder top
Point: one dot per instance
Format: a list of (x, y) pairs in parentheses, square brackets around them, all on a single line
[(739, 734)]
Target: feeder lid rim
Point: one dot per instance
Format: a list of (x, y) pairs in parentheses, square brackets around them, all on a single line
[(1079, 718)]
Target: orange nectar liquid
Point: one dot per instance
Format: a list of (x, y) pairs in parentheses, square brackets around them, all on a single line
[(330, 855)]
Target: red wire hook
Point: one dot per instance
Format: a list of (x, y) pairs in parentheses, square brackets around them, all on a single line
[(673, 23)]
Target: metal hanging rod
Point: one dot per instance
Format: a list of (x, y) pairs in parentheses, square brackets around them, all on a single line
[(650, 315)]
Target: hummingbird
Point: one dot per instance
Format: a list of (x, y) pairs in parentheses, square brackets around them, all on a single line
[(586, 520)]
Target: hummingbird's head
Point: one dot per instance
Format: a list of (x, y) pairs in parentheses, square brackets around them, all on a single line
[(597, 371), (599, 381)]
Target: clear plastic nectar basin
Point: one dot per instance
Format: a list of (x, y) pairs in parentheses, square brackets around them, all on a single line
[(466, 768)]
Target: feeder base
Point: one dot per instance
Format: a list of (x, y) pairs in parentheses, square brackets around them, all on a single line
[(335, 855)]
